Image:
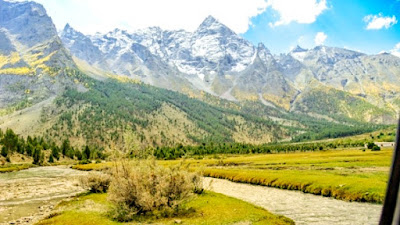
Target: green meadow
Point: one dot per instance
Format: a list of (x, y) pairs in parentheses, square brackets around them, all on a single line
[(92, 209), (346, 174)]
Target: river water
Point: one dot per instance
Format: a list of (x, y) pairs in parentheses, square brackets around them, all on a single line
[(300, 207)]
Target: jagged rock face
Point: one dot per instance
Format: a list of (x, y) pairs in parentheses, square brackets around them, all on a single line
[(80, 45), (30, 50), (28, 22), (6, 47), (200, 58), (371, 77)]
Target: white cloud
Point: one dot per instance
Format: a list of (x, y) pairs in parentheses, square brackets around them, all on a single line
[(377, 22), (305, 11), (320, 38), (90, 16), (396, 50)]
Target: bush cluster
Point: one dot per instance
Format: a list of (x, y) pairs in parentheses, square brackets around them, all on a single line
[(96, 182), (144, 188)]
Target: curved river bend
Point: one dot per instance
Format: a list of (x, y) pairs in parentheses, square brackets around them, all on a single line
[(300, 207)]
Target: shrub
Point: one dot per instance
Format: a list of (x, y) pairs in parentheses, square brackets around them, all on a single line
[(84, 161), (96, 182), (370, 145), (144, 188), (376, 148)]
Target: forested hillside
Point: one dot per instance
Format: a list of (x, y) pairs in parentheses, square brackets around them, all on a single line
[(133, 115), (41, 151)]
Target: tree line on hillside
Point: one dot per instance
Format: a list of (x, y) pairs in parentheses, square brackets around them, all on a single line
[(109, 108), (242, 148), (37, 147)]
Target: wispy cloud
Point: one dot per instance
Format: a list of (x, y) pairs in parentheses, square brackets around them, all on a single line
[(305, 11), (320, 38), (377, 22), (396, 50)]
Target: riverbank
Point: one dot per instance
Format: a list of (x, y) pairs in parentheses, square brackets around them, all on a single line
[(30, 194), (15, 167), (345, 174)]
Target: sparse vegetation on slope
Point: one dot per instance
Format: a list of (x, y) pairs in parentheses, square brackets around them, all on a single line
[(110, 113)]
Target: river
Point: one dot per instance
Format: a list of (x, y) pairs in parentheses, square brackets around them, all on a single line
[(298, 206)]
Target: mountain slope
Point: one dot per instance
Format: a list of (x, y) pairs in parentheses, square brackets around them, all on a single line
[(129, 115), (32, 57), (43, 92), (218, 61)]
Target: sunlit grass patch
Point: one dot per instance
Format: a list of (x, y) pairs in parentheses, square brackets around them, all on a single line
[(93, 166), (208, 208), (14, 167)]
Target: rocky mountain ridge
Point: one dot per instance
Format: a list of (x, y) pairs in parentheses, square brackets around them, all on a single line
[(216, 60)]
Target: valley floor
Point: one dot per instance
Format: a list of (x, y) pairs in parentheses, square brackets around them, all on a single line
[(345, 174), (34, 194)]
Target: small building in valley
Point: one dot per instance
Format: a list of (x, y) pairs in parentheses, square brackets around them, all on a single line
[(381, 144)]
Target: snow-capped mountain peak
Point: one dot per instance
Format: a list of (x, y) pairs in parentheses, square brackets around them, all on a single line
[(298, 49), (212, 26)]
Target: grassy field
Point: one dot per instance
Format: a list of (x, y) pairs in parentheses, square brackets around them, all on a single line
[(92, 209), (351, 175), (346, 174), (14, 167)]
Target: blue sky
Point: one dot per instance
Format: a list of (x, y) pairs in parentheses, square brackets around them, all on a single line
[(363, 25), (342, 22)]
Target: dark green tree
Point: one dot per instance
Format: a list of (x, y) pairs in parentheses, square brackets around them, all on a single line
[(86, 152), (65, 147), (37, 154), (4, 151), (55, 152), (29, 149), (10, 141), (51, 158)]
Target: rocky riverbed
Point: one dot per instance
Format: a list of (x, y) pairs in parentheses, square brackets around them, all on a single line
[(27, 196)]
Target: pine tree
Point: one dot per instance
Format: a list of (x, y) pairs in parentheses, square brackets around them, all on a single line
[(10, 140), (37, 155), (86, 152), (51, 159), (29, 149), (55, 152), (4, 151), (65, 147), (41, 161)]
